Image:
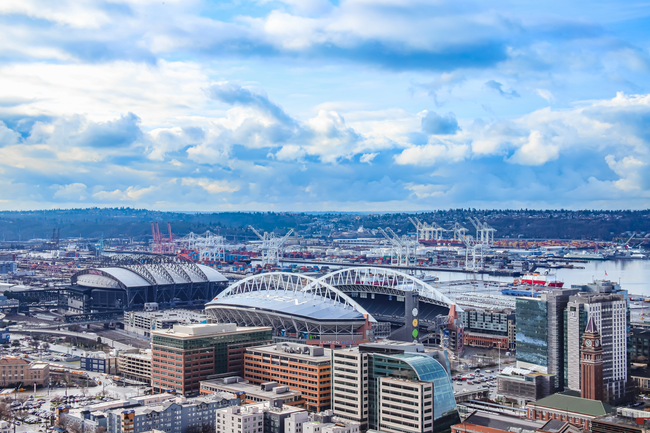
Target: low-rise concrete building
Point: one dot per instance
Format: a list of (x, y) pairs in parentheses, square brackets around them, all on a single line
[(144, 322), (250, 393), (522, 385)]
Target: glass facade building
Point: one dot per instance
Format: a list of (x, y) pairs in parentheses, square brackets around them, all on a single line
[(418, 368), (532, 331)]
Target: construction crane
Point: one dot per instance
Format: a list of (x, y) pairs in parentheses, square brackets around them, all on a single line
[(271, 246)]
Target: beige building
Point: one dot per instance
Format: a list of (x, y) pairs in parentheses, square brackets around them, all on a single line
[(405, 406), (14, 371), (136, 366), (350, 386)]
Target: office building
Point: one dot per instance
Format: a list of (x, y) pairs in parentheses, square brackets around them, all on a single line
[(541, 333), (187, 354), (8, 267), (266, 417), (610, 316), (356, 374), (624, 420), (135, 366), (521, 386), (99, 362), (639, 345), (300, 367), (404, 405), (143, 322), (16, 371), (250, 393)]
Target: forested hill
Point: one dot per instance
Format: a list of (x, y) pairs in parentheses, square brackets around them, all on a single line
[(136, 223)]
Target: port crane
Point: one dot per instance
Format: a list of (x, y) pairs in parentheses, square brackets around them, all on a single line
[(484, 233), (404, 247), (426, 231), (271, 246), (476, 248), (209, 246)]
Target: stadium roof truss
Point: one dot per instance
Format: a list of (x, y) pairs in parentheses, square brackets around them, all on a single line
[(384, 281), (287, 282), (300, 299)]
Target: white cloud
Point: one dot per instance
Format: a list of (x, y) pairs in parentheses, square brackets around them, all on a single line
[(536, 151), (211, 186), (429, 154), (368, 157), (132, 193), (73, 191)]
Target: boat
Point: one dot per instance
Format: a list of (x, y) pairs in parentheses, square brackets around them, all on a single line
[(538, 280), (584, 255)]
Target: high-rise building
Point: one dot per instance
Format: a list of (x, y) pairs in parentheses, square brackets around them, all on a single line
[(540, 333), (609, 311), (357, 389), (187, 354), (591, 363)]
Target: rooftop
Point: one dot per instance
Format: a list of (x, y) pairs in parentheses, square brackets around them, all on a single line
[(296, 303), (293, 350), (571, 401), (238, 386), (206, 330), (503, 422)]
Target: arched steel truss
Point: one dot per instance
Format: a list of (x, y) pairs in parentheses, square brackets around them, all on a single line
[(285, 282), (384, 281)]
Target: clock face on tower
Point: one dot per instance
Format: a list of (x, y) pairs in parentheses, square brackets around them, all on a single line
[(597, 343), (588, 343)]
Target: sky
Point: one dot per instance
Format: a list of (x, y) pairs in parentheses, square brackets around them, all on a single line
[(318, 105)]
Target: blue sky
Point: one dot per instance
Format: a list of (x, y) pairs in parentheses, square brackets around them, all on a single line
[(312, 105)]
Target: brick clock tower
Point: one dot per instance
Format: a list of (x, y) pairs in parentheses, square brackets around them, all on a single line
[(591, 363)]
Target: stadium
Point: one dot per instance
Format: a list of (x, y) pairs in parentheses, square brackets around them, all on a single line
[(348, 305), (128, 282), (297, 307)]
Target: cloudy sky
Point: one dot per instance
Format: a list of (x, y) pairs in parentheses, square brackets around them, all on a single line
[(360, 105)]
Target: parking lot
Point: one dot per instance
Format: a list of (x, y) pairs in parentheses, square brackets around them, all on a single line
[(478, 379)]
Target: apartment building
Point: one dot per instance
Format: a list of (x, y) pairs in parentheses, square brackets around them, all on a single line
[(187, 354), (405, 406), (14, 371), (325, 422), (135, 366), (300, 367), (266, 417)]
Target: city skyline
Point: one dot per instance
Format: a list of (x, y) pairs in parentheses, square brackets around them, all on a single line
[(324, 105)]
